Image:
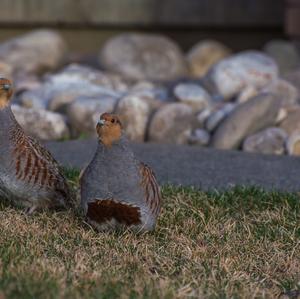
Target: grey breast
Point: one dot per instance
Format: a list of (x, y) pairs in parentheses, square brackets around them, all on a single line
[(113, 173)]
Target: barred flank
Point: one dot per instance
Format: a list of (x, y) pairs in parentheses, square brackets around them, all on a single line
[(151, 187), (35, 165)]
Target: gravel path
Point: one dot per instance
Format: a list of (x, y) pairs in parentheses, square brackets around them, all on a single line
[(200, 167)]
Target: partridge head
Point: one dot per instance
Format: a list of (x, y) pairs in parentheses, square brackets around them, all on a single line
[(109, 129), (116, 189)]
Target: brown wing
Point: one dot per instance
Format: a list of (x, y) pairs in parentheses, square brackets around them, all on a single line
[(43, 152), (151, 187), (35, 164)]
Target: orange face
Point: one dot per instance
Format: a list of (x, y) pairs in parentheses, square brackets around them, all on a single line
[(5, 92), (109, 129)]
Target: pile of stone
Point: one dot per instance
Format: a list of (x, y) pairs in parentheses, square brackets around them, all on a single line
[(207, 97)]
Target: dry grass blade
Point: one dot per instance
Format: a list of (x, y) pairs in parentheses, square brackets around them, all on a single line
[(244, 243)]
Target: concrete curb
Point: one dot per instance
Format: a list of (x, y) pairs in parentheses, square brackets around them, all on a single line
[(203, 168)]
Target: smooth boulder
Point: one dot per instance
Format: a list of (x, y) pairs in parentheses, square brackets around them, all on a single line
[(84, 112), (250, 68), (172, 124), (250, 117), (44, 125), (134, 111), (203, 55), (193, 95), (35, 52), (268, 141), (143, 57)]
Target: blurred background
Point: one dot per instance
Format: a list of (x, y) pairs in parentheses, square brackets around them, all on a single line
[(220, 73), (86, 25)]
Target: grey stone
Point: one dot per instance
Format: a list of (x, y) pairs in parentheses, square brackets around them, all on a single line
[(26, 82), (44, 125), (6, 70), (150, 90), (218, 115), (134, 111), (193, 95), (285, 90), (34, 52), (61, 98), (94, 76), (171, 124), (199, 137), (268, 141), (84, 113), (293, 144), (247, 93), (292, 121), (232, 75), (294, 78), (202, 117), (248, 118), (203, 55), (35, 98), (143, 56), (63, 88), (285, 53)]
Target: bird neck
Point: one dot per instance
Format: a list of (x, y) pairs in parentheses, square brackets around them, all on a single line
[(116, 147), (4, 101), (109, 136), (7, 119), (111, 141)]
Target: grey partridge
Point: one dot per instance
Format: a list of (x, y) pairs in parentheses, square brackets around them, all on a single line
[(29, 175), (118, 191)]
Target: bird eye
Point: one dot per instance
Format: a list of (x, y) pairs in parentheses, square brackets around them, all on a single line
[(113, 120)]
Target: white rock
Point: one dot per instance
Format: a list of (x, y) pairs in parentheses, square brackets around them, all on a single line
[(248, 118), (247, 93), (134, 111), (172, 124), (202, 117), (269, 141), (42, 124), (143, 56), (148, 89), (205, 54), (65, 87), (233, 74), (192, 94), (34, 52), (293, 144), (286, 91), (84, 113), (217, 116), (78, 72), (200, 137), (6, 70), (291, 122)]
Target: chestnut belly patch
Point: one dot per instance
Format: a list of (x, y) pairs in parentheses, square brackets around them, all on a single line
[(102, 211)]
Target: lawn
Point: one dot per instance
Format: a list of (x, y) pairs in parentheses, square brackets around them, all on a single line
[(243, 243)]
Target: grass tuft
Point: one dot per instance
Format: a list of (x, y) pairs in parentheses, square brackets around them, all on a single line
[(242, 243)]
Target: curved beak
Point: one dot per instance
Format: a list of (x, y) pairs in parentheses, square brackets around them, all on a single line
[(6, 86), (101, 122)]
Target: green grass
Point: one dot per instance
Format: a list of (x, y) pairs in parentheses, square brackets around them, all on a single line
[(243, 243)]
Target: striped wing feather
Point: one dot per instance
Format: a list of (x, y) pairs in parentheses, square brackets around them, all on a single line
[(35, 164), (152, 189)]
